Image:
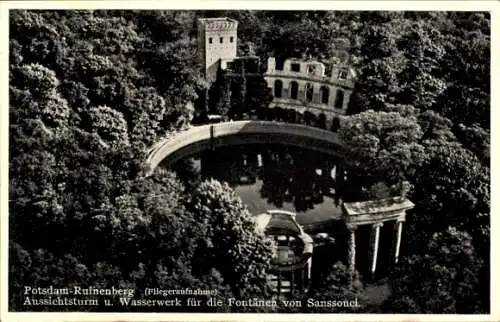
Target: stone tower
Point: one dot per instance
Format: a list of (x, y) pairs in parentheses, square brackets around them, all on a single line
[(216, 41)]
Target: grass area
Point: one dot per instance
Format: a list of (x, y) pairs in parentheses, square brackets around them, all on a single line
[(375, 294)]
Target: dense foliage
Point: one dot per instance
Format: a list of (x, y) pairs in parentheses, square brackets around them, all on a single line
[(91, 90)]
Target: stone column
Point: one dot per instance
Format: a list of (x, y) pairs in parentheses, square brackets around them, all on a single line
[(345, 103), (271, 64), (333, 96), (285, 93), (278, 286), (309, 268), (399, 231), (352, 251), (212, 137), (376, 234)]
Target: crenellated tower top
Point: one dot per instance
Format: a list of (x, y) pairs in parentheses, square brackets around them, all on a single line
[(218, 24)]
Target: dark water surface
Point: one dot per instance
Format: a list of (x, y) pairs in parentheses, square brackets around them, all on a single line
[(278, 177)]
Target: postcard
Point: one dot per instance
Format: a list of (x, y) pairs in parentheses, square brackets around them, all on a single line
[(283, 161)]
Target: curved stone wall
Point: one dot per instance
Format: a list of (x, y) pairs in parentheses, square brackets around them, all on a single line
[(199, 138)]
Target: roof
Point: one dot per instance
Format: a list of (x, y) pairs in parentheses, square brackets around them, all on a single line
[(377, 206), (278, 220), (283, 222)]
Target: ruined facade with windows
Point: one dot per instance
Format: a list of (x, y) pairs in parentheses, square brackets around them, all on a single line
[(304, 86)]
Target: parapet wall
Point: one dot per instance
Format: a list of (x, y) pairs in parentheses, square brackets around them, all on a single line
[(204, 137)]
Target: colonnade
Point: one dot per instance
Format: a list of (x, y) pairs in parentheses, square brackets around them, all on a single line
[(375, 213)]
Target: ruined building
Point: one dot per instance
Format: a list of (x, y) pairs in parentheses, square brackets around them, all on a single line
[(302, 85)]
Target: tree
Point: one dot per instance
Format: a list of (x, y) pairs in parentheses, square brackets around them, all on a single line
[(109, 124), (385, 146), (476, 139), (436, 128), (230, 242), (147, 113), (466, 68), (423, 51), (378, 63), (305, 34), (34, 95), (221, 94), (258, 94), (452, 189), (444, 280), (338, 287), (432, 61)]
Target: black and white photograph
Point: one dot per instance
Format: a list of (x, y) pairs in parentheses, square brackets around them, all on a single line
[(207, 160)]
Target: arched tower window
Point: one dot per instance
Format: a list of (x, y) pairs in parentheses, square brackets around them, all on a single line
[(278, 87), (309, 92), (294, 90), (339, 99), (325, 94)]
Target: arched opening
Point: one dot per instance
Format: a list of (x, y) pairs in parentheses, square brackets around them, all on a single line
[(311, 69), (339, 99), (278, 113), (325, 94), (335, 124), (278, 87), (271, 114), (294, 89), (309, 92), (309, 118), (292, 116), (321, 122)]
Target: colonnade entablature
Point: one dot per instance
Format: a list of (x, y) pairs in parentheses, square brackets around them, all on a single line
[(375, 213)]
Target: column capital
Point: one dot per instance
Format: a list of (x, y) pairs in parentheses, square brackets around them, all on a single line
[(401, 219), (352, 227), (377, 224)]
